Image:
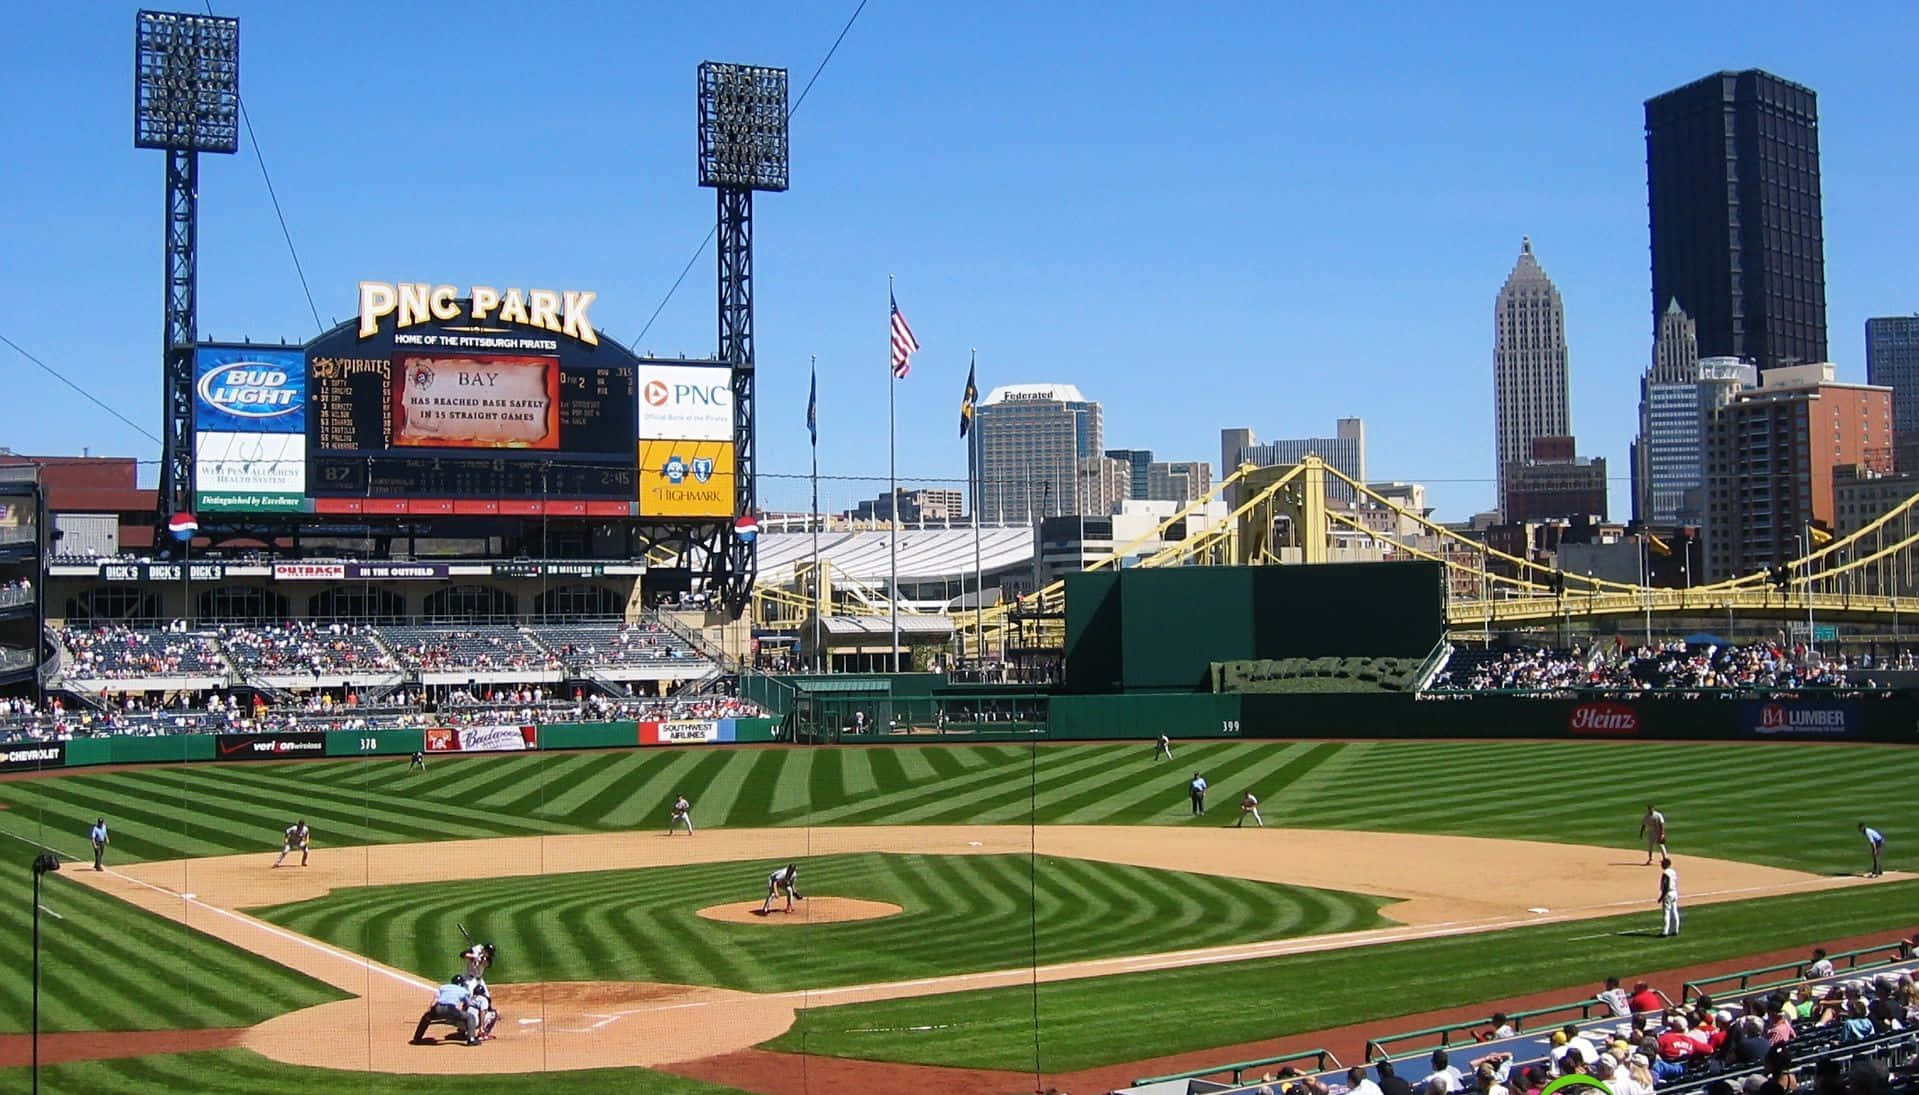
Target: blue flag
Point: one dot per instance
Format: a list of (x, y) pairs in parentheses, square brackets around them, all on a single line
[(813, 407)]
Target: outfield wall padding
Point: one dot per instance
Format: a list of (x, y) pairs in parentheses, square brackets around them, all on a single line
[(1143, 715), (371, 743), (140, 750), (589, 735)]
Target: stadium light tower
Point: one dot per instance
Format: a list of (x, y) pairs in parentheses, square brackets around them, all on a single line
[(186, 100), (742, 149)]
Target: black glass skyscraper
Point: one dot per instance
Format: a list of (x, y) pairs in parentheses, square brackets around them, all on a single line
[(1732, 187)]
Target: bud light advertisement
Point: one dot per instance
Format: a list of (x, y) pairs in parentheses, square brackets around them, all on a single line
[(250, 389)]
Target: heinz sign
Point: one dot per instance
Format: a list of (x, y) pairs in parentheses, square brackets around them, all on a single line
[(1603, 720)]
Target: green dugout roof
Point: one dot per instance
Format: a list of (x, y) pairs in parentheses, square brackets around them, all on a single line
[(845, 684)]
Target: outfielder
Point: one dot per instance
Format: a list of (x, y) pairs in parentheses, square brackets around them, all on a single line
[(787, 879), (1163, 749), (1652, 828), (682, 812), (298, 837), (1248, 805), (418, 763)]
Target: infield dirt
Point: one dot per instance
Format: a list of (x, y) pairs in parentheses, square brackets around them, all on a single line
[(1440, 886)]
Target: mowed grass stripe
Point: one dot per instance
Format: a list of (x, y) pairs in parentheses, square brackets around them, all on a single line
[(240, 1072), (580, 779), (1707, 791), (789, 790), (963, 913), (109, 966)]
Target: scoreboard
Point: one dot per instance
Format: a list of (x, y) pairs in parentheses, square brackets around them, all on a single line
[(494, 402), (578, 440)]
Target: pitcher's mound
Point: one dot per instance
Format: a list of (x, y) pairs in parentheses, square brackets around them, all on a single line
[(809, 910)]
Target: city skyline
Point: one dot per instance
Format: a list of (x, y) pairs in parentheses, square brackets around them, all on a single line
[(1099, 246)]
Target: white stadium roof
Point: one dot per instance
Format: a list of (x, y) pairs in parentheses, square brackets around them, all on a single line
[(926, 555), (1061, 393)]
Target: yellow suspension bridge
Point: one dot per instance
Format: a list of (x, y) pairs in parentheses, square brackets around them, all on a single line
[(1868, 577)]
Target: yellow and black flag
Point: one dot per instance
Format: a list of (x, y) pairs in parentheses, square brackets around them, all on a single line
[(968, 399), (1820, 537), (1658, 546)]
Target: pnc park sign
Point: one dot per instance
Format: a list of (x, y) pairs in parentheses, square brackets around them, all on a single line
[(410, 303)]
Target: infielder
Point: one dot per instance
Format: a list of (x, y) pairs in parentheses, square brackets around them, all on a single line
[(298, 836), (1248, 805), (787, 879), (1669, 897), (1652, 828), (1876, 842), (682, 812), (1164, 748)]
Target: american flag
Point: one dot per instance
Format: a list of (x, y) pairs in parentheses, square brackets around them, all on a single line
[(904, 344)]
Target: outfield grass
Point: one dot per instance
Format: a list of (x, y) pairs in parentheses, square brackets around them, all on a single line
[(962, 914), (1710, 792), (1137, 1016), (105, 965), (239, 1072)]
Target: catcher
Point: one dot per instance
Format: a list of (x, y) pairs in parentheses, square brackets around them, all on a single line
[(297, 839), (787, 879)]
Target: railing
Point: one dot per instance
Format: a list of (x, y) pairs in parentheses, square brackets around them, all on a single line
[(1319, 1057), (1376, 1048), (1743, 980)]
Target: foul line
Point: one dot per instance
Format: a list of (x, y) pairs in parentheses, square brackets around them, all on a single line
[(349, 957)]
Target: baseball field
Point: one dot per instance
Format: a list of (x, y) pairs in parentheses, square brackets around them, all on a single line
[(978, 918)]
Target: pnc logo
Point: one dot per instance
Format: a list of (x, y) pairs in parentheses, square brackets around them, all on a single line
[(1603, 718), (657, 393), (249, 389)]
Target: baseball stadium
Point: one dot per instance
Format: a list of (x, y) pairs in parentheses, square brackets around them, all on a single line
[(455, 711)]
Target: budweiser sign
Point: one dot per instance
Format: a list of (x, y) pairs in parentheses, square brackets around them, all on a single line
[(1603, 718)]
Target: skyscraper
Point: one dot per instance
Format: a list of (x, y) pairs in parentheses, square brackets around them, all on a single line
[(1139, 463), (1032, 440), (1529, 365), (1892, 359), (1766, 483), (1732, 196), (1345, 450)]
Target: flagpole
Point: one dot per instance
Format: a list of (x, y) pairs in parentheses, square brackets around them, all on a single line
[(979, 572), (892, 483), (819, 587)]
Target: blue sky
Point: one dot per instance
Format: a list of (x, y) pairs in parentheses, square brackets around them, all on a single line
[(1204, 215)]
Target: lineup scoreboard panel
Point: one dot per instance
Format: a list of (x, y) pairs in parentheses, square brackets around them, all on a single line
[(500, 401)]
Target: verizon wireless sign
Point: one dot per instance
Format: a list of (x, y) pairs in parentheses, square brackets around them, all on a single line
[(268, 746)]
